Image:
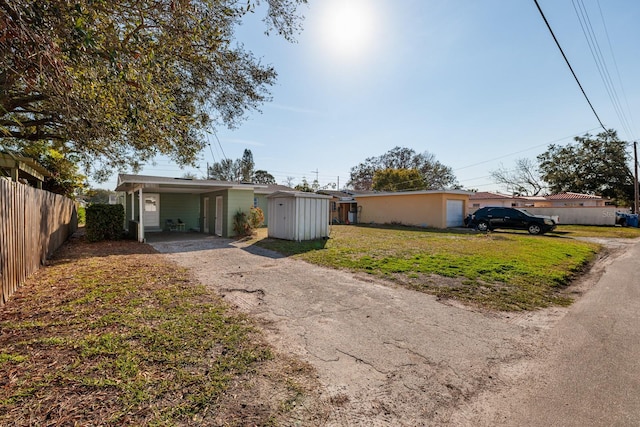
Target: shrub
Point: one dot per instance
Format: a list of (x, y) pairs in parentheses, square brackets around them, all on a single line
[(241, 224), (256, 218), (104, 222), (82, 215)]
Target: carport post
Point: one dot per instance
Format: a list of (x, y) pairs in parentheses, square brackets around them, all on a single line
[(141, 222)]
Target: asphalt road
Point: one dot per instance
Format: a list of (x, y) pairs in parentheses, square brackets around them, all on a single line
[(394, 357), (589, 371)]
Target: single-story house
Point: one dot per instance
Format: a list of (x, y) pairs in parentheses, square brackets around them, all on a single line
[(343, 208), (570, 199), (428, 208), (205, 206)]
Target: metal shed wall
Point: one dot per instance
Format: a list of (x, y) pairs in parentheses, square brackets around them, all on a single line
[(298, 216)]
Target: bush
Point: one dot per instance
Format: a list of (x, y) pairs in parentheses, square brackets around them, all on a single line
[(256, 218), (82, 215), (241, 224), (104, 222)]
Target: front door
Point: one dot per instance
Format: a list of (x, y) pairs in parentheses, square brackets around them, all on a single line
[(205, 216), (151, 206), (218, 226)]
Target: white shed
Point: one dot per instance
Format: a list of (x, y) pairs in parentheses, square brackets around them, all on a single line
[(296, 215)]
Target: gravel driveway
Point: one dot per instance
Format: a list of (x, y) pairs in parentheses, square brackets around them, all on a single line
[(385, 355)]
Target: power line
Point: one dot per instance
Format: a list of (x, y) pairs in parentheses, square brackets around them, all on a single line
[(615, 63), (522, 151), (569, 65), (601, 65)]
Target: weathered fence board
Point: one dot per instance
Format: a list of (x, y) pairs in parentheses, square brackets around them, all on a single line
[(33, 224)]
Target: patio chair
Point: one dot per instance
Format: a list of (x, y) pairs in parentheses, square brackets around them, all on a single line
[(170, 225)]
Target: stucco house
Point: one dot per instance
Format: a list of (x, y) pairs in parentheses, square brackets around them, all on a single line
[(570, 199), (428, 208), (154, 203)]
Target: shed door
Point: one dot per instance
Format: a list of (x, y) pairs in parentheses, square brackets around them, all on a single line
[(151, 205), (283, 225), (455, 214)]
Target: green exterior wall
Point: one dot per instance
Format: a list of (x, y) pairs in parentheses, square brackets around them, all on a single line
[(185, 207), (232, 201)]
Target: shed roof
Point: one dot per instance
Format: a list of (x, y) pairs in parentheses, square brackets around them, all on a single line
[(298, 194)]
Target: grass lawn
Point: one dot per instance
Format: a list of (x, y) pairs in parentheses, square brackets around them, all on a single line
[(112, 333), (498, 270)]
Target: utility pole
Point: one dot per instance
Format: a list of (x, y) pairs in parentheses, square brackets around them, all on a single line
[(635, 181)]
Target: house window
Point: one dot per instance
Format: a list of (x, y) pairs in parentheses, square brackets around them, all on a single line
[(255, 202), (476, 205), (333, 206)]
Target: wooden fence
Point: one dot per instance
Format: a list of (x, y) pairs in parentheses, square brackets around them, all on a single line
[(33, 224)]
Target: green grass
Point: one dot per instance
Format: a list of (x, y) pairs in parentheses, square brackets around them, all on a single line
[(500, 270), (597, 231), (136, 338)]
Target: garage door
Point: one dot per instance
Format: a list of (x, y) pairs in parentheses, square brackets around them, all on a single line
[(455, 214)]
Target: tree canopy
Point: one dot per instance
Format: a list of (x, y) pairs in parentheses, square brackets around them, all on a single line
[(397, 180), (593, 165), (240, 170), (114, 83), (434, 174)]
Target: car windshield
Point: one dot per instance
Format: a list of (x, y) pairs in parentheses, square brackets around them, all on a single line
[(524, 212)]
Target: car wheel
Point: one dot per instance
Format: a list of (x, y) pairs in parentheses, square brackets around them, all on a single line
[(534, 229), (483, 226)]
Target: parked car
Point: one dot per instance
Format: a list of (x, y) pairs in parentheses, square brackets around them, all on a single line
[(490, 218)]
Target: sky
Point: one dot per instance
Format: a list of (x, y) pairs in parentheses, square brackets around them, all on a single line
[(478, 84)]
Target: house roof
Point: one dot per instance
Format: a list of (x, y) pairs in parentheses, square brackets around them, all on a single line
[(481, 195), (572, 196), (161, 184), (407, 193), (271, 188), (27, 167)]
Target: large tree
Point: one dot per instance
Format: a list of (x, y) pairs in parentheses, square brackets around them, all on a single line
[(114, 83), (523, 180), (434, 174), (263, 177), (398, 180), (593, 165)]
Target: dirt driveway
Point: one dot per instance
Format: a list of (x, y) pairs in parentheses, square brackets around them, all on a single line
[(385, 355)]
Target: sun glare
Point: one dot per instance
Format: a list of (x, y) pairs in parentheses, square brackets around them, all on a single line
[(347, 27)]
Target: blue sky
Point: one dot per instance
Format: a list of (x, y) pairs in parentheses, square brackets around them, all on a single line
[(478, 84)]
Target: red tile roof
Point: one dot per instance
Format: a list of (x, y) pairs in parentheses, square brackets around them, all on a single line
[(572, 196)]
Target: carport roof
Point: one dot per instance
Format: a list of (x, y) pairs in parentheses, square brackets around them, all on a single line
[(161, 184)]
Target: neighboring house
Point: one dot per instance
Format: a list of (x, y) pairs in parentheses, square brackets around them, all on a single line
[(572, 200), (191, 204), (570, 208), (430, 208), (481, 199), (343, 208), (22, 169)]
